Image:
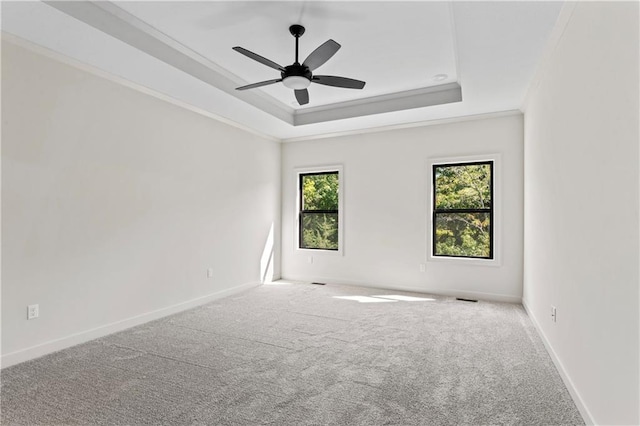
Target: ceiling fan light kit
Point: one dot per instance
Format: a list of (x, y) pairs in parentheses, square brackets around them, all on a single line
[(299, 76), (295, 82)]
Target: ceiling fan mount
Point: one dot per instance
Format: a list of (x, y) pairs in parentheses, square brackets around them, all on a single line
[(296, 30), (299, 76)]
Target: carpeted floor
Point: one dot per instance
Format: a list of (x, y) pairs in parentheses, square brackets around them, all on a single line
[(302, 354)]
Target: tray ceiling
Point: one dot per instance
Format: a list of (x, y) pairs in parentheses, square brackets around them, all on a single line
[(421, 60)]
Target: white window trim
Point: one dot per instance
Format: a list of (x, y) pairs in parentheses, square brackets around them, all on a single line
[(296, 234), (497, 209)]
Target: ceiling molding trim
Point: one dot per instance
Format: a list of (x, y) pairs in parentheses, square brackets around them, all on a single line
[(549, 49), (66, 60), (454, 38), (441, 121), (120, 24), (112, 20), (410, 99)]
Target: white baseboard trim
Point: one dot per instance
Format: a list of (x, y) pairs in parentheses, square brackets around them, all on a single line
[(577, 399), (55, 345), (436, 291)]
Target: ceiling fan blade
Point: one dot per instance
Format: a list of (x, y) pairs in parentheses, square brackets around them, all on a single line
[(302, 96), (332, 80), (258, 58), (322, 54), (260, 84)]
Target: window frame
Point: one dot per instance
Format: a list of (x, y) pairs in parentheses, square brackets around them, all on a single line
[(495, 214), (299, 173)]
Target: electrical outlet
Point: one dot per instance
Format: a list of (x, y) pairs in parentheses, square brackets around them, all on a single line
[(209, 272), (33, 311), (553, 314), (422, 267)]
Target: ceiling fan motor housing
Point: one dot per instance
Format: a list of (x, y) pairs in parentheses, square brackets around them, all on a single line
[(297, 70)]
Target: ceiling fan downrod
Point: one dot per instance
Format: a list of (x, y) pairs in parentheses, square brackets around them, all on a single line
[(296, 31)]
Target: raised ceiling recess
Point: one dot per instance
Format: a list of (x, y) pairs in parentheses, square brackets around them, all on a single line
[(421, 60)]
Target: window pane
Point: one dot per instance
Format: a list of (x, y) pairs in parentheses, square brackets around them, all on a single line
[(320, 192), (463, 186), (319, 231), (463, 234)]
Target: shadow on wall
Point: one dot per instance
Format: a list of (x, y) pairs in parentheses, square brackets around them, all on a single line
[(266, 261)]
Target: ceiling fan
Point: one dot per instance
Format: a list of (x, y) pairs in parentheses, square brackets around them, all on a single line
[(299, 76)]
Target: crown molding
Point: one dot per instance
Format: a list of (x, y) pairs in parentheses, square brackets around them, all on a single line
[(120, 24), (424, 123), (66, 60), (110, 19), (417, 98), (549, 49)]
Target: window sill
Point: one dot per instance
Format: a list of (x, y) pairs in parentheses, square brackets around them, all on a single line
[(320, 252), (495, 262)]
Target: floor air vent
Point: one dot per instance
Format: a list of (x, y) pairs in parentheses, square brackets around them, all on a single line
[(466, 300)]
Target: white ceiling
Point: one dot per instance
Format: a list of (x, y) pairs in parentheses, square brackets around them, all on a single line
[(183, 50)]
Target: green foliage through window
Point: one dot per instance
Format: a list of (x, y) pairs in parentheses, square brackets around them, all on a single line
[(319, 210), (463, 210)]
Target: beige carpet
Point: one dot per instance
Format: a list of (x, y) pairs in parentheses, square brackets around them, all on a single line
[(302, 354)]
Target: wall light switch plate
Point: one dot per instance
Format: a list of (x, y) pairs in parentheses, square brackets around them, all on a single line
[(33, 311), (209, 272), (422, 267)]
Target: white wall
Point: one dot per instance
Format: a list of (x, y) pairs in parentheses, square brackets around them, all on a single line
[(581, 208), (386, 202), (115, 203)]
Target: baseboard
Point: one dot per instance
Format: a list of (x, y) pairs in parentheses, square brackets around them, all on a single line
[(577, 399), (55, 345), (493, 297)]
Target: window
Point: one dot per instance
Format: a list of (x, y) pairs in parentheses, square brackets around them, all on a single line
[(318, 217), (462, 224)]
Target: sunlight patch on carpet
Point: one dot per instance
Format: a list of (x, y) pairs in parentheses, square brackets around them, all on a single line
[(364, 299), (406, 298)]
